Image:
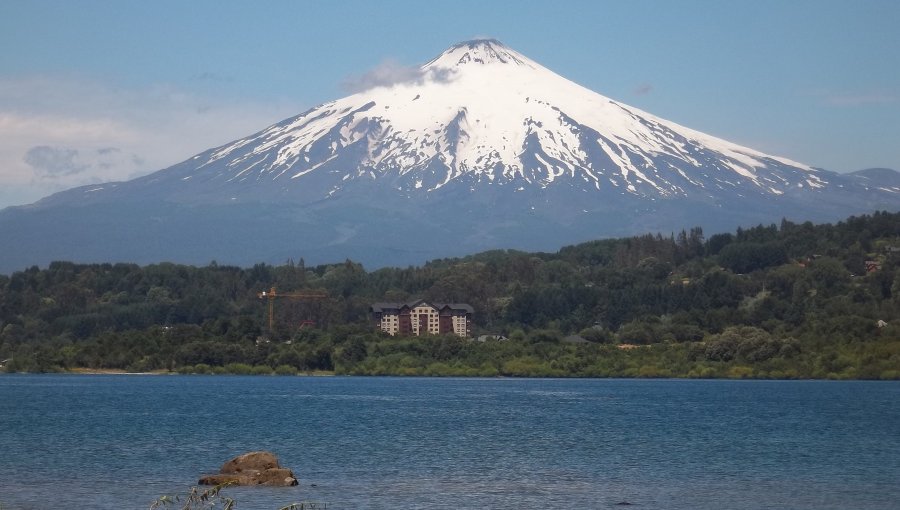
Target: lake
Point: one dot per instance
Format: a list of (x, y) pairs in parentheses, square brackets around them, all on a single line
[(120, 441)]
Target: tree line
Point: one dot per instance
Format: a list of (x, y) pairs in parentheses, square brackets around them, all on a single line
[(784, 301)]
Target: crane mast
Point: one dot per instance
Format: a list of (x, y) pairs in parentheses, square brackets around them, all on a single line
[(272, 293)]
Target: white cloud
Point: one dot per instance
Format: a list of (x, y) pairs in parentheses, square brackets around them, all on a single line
[(390, 72), (60, 133)]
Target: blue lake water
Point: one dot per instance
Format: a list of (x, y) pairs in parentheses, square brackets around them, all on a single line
[(406, 443)]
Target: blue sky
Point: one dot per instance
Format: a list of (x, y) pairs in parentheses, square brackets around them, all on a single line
[(93, 90)]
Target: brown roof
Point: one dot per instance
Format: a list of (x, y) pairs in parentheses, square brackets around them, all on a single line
[(381, 307)]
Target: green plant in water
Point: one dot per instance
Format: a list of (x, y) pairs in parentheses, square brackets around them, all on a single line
[(196, 499), (209, 499)]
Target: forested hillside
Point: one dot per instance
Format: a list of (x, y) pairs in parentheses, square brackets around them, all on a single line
[(781, 301)]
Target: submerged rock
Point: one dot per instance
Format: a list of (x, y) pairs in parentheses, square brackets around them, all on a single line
[(253, 468)]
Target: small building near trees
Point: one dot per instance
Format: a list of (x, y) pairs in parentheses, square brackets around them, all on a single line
[(421, 317)]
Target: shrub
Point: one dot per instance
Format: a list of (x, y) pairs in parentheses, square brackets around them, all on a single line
[(261, 370), (285, 370), (238, 369)]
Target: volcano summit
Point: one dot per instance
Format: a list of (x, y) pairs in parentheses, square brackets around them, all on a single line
[(479, 148)]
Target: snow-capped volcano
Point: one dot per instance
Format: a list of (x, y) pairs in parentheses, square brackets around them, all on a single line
[(482, 113), (479, 148)]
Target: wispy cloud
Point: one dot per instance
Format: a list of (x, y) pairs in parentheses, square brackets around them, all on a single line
[(213, 77), (53, 162), (61, 167), (57, 133), (861, 99), (643, 89), (389, 73), (41, 153)]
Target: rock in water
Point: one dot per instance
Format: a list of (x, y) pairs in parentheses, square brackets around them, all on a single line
[(253, 461), (253, 468)]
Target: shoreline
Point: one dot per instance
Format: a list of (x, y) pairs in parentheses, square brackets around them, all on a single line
[(112, 371), (116, 371)]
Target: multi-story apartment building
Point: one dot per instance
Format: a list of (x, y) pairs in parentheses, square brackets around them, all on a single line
[(423, 318)]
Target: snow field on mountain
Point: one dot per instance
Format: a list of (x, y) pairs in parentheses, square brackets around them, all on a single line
[(483, 112)]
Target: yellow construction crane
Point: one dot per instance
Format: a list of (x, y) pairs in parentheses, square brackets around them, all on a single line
[(271, 294)]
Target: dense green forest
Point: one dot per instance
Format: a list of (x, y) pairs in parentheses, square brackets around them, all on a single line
[(778, 301)]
